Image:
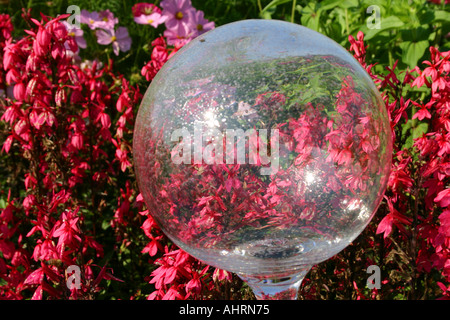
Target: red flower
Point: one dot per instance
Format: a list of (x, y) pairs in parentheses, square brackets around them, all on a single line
[(443, 198), (422, 112), (160, 55), (444, 219), (143, 8), (394, 217), (6, 26), (195, 286), (385, 226), (153, 246), (67, 230)]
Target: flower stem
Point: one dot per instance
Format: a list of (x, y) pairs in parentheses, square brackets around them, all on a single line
[(294, 4), (259, 6)]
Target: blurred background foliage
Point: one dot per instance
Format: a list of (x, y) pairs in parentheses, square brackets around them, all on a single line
[(406, 29)]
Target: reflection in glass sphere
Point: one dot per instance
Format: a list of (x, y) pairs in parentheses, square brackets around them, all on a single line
[(262, 148)]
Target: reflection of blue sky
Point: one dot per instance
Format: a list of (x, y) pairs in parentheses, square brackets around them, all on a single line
[(252, 40)]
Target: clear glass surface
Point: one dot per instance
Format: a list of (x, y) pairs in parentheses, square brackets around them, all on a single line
[(262, 148)]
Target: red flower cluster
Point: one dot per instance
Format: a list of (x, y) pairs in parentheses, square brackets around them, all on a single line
[(160, 54), (59, 123), (418, 198), (433, 146)]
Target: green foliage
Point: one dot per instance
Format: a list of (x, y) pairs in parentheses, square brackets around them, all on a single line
[(406, 29)]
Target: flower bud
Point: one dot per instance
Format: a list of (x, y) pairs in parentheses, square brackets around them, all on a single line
[(43, 37)]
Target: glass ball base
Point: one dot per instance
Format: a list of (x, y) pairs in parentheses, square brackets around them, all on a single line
[(276, 288)]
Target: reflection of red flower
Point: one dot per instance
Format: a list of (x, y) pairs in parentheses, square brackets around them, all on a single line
[(270, 100), (203, 204)]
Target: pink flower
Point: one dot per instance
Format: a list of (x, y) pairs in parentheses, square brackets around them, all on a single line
[(106, 20), (43, 37), (153, 246), (198, 22), (153, 19), (160, 55), (76, 33), (103, 19), (89, 18), (177, 12), (120, 39), (344, 157), (143, 8), (45, 250), (122, 155)]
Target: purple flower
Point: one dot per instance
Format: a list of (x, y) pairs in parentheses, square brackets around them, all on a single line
[(198, 22), (76, 33), (119, 38), (106, 20), (154, 19), (89, 18), (177, 12)]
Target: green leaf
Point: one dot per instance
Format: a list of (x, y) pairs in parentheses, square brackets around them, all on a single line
[(408, 143), (406, 127), (2, 203), (440, 15), (346, 4), (267, 14), (419, 130), (426, 16), (330, 4), (388, 23), (413, 51), (273, 4), (105, 224), (413, 130), (311, 17)]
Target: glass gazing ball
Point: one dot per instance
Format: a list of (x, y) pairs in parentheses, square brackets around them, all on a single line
[(261, 147)]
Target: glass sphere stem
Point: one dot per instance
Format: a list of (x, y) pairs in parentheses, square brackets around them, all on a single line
[(276, 287)]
